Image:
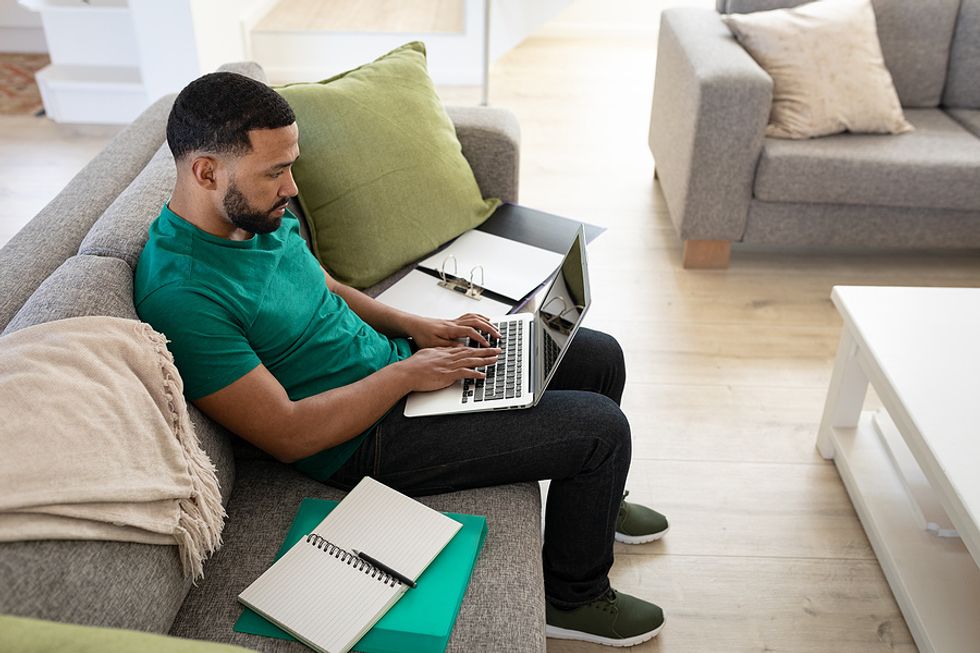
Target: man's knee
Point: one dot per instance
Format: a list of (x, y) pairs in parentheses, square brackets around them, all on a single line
[(605, 420), (608, 349)]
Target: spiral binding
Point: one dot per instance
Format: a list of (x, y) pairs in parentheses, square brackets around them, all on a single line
[(346, 556)]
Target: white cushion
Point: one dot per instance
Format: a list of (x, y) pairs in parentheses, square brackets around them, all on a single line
[(828, 72)]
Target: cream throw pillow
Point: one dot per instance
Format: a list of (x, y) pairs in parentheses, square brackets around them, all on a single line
[(827, 69)]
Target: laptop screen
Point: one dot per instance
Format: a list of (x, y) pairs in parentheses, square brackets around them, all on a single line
[(561, 310)]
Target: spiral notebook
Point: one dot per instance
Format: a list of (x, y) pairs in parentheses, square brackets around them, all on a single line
[(323, 594)]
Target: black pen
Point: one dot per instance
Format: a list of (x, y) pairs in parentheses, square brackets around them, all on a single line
[(385, 568)]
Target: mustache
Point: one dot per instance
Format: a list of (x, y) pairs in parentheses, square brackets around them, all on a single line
[(279, 205)]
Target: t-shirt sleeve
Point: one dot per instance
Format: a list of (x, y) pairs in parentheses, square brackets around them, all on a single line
[(209, 345)]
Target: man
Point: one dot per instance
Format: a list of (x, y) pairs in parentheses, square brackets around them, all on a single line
[(315, 373)]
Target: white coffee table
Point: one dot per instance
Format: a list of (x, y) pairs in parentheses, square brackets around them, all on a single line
[(913, 470)]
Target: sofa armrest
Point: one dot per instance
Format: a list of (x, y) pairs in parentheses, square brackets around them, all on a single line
[(247, 68), (711, 103), (491, 140)]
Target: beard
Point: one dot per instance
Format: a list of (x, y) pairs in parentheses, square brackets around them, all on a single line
[(244, 216)]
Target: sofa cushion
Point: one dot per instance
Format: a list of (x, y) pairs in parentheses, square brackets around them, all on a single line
[(494, 616), (826, 66), (66, 219), (968, 118), (937, 166), (381, 174), (20, 635), (915, 40), (82, 285), (123, 229), (963, 79)]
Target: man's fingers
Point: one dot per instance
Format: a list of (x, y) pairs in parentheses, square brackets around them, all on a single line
[(478, 322), (470, 316), (489, 328), (476, 335), (484, 354)]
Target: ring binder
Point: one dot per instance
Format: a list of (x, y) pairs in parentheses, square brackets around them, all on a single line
[(354, 561), (454, 282)]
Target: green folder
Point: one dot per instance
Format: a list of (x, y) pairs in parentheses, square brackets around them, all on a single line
[(422, 620)]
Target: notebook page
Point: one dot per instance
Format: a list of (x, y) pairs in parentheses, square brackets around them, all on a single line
[(510, 268), (319, 599), (388, 526)]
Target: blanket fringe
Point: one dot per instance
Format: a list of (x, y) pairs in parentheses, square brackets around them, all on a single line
[(201, 516)]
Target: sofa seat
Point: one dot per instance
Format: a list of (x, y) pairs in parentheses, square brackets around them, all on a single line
[(935, 166), (267, 494), (968, 118)]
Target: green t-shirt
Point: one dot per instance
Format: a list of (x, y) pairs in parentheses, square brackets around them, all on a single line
[(228, 305)]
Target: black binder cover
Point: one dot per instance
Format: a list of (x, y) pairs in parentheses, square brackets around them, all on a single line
[(545, 230)]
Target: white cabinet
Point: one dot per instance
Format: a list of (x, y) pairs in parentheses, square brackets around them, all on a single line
[(94, 76)]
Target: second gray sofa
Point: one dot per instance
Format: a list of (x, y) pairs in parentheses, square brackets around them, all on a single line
[(725, 182)]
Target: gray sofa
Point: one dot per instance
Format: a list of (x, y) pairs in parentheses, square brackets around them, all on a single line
[(77, 258), (725, 182)]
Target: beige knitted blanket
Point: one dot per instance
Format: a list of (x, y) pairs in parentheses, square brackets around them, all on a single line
[(96, 442)]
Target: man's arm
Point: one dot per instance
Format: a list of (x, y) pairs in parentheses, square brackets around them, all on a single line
[(257, 407), (395, 323), (385, 319)]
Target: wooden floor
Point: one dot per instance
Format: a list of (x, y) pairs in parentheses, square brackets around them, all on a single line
[(728, 369), (417, 16)]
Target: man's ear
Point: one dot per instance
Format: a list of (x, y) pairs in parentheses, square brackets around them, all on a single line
[(204, 169)]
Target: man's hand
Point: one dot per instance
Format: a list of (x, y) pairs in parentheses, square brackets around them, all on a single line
[(428, 332), (438, 367)]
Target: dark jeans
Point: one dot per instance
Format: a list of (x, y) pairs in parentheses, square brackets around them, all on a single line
[(576, 436)]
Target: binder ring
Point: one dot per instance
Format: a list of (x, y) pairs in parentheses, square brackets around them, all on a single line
[(442, 268), (454, 282), (346, 556), (475, 290)]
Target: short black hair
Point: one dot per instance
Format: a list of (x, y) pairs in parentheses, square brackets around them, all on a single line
[(215, 112)]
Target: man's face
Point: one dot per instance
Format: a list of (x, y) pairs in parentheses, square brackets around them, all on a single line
[(260, 182)]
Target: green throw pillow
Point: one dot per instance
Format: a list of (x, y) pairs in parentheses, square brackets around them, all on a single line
[(381, 175)]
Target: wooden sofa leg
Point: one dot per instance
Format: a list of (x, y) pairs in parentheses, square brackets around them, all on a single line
[(707, 254)]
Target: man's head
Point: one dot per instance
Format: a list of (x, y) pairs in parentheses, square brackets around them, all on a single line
[(234, 140)]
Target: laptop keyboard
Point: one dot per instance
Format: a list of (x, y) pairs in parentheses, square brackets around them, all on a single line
[(551, 351), (504, 379)]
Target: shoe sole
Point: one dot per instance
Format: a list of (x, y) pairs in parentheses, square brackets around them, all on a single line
[(562, 633), (640, 539)]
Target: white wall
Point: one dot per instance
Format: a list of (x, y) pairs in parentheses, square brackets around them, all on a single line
[(20, 29), (180, 40), (168, 51), (218, 29), (511, 22)]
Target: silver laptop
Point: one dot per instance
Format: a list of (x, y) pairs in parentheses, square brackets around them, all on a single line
[(532, 345)]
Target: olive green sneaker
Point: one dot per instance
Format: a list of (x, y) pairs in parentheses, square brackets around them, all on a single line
[(638, 524), (613, 619)]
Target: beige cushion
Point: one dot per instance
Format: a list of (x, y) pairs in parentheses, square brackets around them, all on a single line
[(827, 69)]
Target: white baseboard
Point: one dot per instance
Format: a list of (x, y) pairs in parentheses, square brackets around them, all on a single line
[(29, 40)]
